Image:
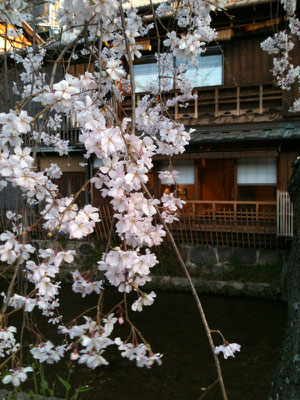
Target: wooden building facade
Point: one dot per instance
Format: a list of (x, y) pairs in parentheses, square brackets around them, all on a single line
[(245, 137), (244, 142)]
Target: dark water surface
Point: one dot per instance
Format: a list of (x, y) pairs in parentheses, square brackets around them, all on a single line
[(172, 326)]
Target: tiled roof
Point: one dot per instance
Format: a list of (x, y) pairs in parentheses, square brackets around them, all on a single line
[(247, 133)]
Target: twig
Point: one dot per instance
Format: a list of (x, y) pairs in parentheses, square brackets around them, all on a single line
[(208, 389)]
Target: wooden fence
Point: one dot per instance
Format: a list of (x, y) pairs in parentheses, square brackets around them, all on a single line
[(227, 224), (222, 224)]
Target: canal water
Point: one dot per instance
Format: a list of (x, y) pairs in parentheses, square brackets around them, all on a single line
[(172, 326)]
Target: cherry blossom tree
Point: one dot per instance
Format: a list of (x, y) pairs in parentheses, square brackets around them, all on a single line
[(106, 31)]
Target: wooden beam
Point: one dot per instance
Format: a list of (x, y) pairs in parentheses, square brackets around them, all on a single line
[(29, 30), (220, 154), (261, 25)]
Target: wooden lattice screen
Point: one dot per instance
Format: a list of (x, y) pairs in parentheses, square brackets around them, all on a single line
[(285, 214)]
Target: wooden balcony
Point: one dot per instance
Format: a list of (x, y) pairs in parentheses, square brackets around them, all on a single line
[(224, 101), (211, 102)]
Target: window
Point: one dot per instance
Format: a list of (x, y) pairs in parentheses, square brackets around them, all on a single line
[(143, 75), (257, 171), (208, 72), (186, 172)]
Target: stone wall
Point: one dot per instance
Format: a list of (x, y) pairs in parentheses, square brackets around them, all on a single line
[(220, 257)]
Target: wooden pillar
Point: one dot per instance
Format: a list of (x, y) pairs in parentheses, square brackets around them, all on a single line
[(216, 102), (196, 104), (260, 99), (238, 101)]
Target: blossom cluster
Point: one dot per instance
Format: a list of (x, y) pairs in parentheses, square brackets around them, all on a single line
[(141, 354), (280, 45), (8, 343), (124, 147), (127, 269), (228, 349), (85, 286)]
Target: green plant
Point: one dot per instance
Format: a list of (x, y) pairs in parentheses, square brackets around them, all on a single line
[(43, 388)]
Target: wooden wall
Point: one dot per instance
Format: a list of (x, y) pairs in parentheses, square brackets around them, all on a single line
[(216, 179), (289, 96), (74, 175), (284, 169), (246, 62)]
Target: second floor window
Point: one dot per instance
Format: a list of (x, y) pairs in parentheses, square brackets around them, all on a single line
[(208, 72), (144, 74)]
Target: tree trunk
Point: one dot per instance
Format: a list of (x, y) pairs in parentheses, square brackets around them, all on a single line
[(286, 382)]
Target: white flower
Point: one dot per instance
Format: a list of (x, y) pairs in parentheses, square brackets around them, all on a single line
[(16, 376), (228, 350), (144, 300), (115, 69), (168, 176)]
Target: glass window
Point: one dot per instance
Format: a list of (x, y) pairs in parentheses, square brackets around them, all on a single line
[(257, 171), (143, 75), (208, 72), (186, 171)]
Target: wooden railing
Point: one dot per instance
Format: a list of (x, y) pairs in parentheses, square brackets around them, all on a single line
[(210, 101), (217, 223), (206, 223), (227, 224), (70, 131), (225, 101)]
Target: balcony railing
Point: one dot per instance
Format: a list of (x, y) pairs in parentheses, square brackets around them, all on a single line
[(225, 101), (227, 224), (210, 102), (216, 223), (206, 223)]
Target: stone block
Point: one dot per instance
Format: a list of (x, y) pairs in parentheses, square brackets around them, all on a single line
[(221, 284), (212, 285), (256, 287), (185, 253), (201, 255), (198, 283), (269, 257), (179, 282), (5, 394), (224, 255), (219, 269), (192, 267), (243, 256), (86, 249), (237, 285)]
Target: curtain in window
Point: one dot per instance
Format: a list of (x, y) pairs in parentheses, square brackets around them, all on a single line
[(257, 171)]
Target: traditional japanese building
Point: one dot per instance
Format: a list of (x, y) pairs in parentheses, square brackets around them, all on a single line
[(235, 171)]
